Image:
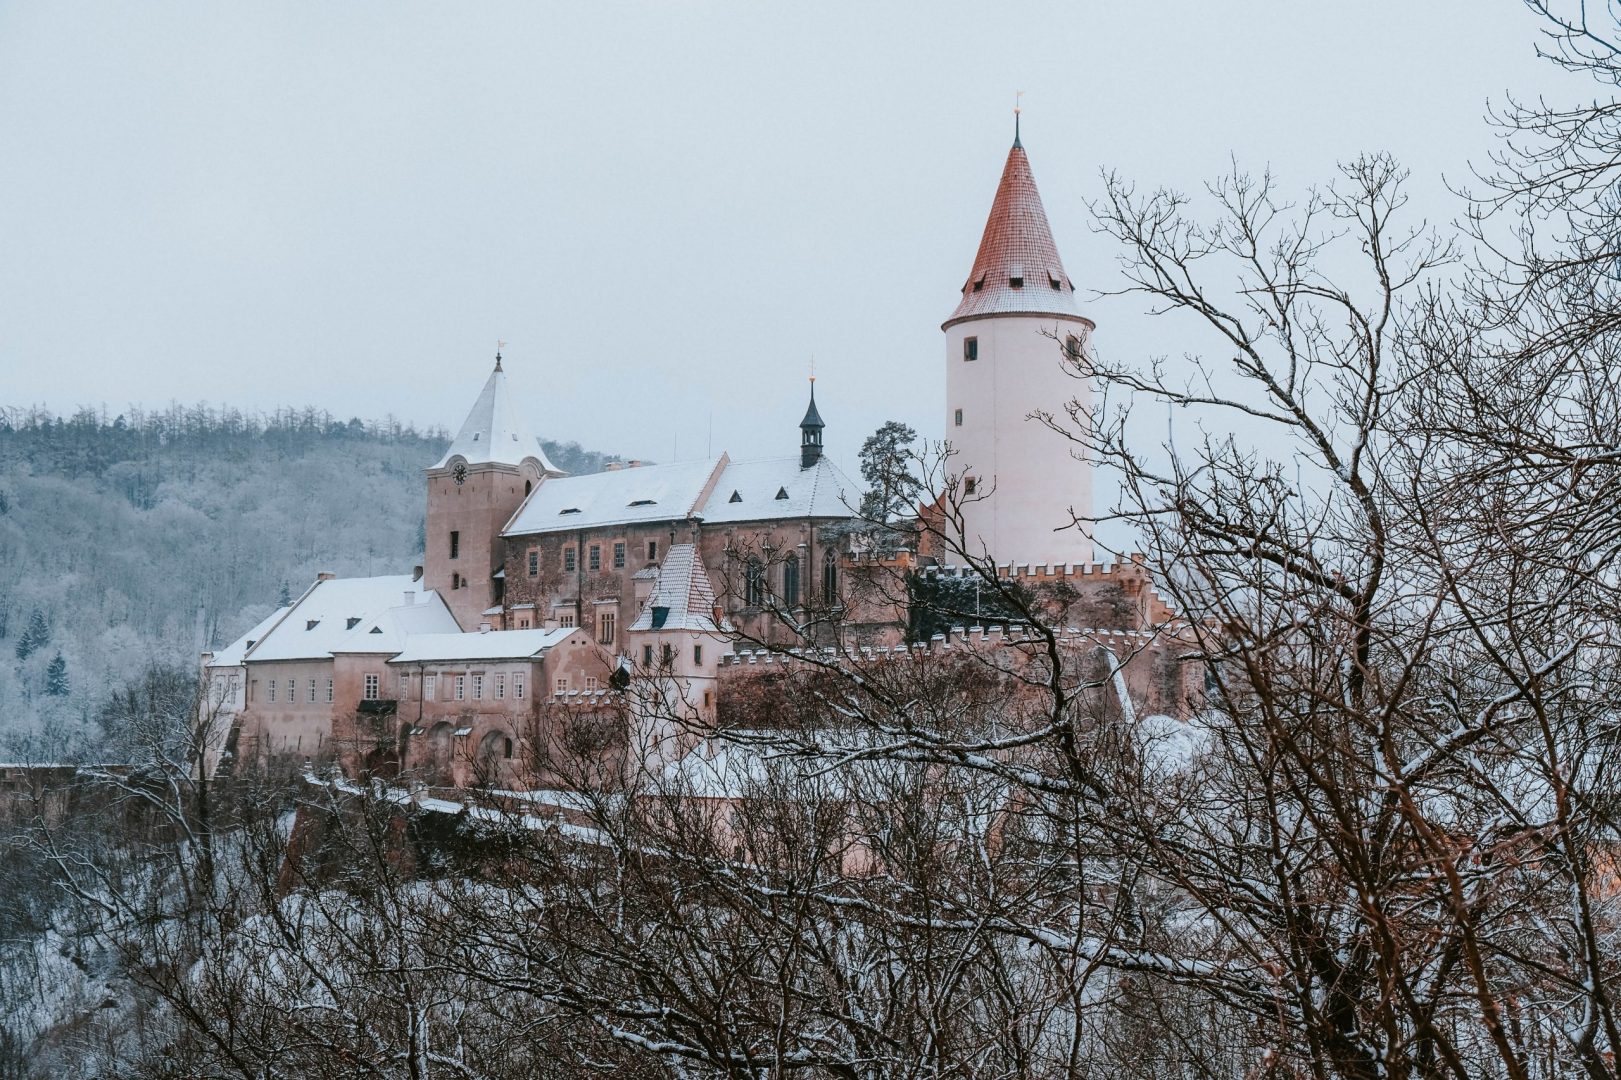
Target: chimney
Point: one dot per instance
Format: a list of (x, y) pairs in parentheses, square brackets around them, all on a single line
[(325, 575), (484, 628), (410, 597)]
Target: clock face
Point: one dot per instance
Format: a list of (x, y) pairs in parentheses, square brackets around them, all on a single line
[(459, 473)]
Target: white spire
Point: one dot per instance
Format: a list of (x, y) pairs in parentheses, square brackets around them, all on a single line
[(494, 431)]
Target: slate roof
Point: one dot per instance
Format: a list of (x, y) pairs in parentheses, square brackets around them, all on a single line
[(319, 620), (623, 496), (821, 491), (682, 597), (494, 430), (495, 645), (1017, 243)]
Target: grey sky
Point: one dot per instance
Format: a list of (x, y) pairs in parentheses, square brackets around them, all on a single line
[(665, 209)]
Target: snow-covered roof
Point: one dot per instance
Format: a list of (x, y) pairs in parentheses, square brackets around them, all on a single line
[(1017, 245), (623, 496), (388, 630), (494, 645), (494, 431), (778, 488), (231, 655), (320, 619), (682, 597)]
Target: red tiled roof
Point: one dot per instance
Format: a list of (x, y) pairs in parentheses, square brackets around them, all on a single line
[(1017, 245)]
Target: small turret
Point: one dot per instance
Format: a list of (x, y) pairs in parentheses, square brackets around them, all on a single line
[(810, 433)]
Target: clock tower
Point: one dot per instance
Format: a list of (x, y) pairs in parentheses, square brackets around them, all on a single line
[(492, 465)]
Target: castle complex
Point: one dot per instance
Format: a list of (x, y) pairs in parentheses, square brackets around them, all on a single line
[(545, 601)]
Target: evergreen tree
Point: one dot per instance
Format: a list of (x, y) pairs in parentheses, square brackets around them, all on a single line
[(886, 465), (56, 677), (286, 597), (35, 637)]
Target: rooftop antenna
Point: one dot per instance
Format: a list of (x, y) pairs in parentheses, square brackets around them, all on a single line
[(499, 345), (1018, 107)]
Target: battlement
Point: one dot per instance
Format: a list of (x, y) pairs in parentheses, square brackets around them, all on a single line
[(970, 638)]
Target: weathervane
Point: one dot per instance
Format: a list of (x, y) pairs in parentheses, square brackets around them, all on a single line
[(499, 345), (1018, 107)]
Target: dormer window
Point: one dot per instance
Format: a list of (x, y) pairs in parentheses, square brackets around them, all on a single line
[(377, 630), (354, 621), (782, 493), (1017, 281), (569, 510), (311, 624), (735, 498), (640, 502), (475, 436)]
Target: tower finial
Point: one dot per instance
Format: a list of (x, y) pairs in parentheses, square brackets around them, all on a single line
[(499, 345), (1018, 107)]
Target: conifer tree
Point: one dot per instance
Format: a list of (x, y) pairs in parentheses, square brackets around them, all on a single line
[(286, 597), (35, 637), (56, 677)]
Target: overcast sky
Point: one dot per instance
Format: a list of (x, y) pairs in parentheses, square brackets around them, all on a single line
[(666, 209)]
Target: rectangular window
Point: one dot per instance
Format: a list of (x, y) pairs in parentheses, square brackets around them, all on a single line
[(517, 687), (329, 691), (534, 562), (312, 691), (523, 622), (959, 418), (270, 690), (372, 683), (566, 620), (667, 654), (478, 687), (430, 688), (405, 687), (970, 348), (500, 687), (619, 554), (562, 684), (605, 628), (652, 550), (698, 655), (647, 656), (568, 560), (232, 687), (455, 544), (594, 557), (591, 683), (461, 687)]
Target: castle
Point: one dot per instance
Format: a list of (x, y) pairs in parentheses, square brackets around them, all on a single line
[(542, 598)]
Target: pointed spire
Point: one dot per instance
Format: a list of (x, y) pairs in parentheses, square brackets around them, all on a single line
[(810, 432), (1017, 268), (494, 430)]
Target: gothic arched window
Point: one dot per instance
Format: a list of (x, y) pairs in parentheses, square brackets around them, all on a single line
[(790, 581), (830, 577), (754, 582)]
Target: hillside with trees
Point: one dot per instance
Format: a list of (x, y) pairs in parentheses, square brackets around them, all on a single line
[(142, 537)]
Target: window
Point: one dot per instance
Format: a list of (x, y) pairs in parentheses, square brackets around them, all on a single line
[(562, 684), (970, 348), (231, 687), (312, 690), (790, 581), (969, 485), (534, 562), (594, 557), (1017, 281), (506, 749), (455, 544), (652, 550), (1072, 349), (430, 688), (461, 687), (753, 582), (566, 620), (619, 554), (500, 687), (667, 654), (568, 560), (647, 656), (517, 687), (591, 683), (329, 691), (958, 418), (455, 581), (270, 690), (478, 687), (372, 686), (523, 622), (698, 655), (605, 628), (830, 577), (405, 686)]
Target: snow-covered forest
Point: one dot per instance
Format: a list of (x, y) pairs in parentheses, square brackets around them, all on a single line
[(140, 537)]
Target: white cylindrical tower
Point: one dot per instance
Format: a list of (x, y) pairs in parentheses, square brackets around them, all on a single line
[(1006, 360)]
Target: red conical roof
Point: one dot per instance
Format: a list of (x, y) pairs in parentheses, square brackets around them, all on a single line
[(1017, 247)]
